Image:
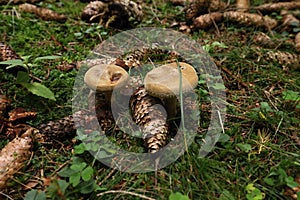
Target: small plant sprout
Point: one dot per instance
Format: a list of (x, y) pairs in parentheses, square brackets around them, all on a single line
[(23, 77)]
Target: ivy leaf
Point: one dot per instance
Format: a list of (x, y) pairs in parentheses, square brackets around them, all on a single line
[(244, 147), (66, 172), (78, 167), (290, 182), (87, 173), (75, 179), (79, 149), (178, 196), (35, 195), (219, 86), (87, 187), (291, 95), (39, 90)]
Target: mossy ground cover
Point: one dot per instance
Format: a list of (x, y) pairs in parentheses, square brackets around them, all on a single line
[(257, 156)]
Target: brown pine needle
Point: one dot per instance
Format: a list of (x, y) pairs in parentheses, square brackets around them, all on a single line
[(125, 192)]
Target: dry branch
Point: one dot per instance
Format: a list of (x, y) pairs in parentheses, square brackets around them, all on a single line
[(250, 19), (43, 13), (276, 7), (14, 155)]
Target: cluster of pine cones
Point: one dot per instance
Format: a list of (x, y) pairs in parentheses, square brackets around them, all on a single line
[(204, 14), (116, 13)]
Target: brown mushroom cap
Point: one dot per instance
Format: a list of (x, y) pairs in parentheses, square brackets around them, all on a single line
[(103, 77), (164, 81)]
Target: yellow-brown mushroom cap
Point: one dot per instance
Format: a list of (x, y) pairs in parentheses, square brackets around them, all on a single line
[(103, 78), (164, 81)]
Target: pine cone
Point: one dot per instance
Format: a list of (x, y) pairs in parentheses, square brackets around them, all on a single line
[(4, 103), (59, 130), (297, 42), (283, 58), (14, 155), (7, 53), (196, 8), (207, 20), (275, 7), (115, 14), (93, 11), (263, 40), (250, 19), (151, 119), (242, 5), (199, 7), (43, 13), (216, 5)]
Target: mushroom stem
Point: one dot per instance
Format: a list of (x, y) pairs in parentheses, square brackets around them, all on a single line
[(108, 95), (170, 105)]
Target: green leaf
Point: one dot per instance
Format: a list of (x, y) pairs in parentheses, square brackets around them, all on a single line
[(290, 182), (87, 173), (244, 147), (226, 195), (79, 149), (291, 95), (253, 193), (178, 196), (75, 179), (224, 138), (39, 90), (78, 167), (63, 185), (22, 77), (265, 106), (35, 195), (66, 172), (87, 187), (57, 186), (269, 181), (219, 86), (13, 63), (46, 58)]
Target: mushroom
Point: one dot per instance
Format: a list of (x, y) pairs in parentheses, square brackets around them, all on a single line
[(104, 78), (164, 82)]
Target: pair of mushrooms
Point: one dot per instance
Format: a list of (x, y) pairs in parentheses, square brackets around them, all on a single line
[(164, 82)]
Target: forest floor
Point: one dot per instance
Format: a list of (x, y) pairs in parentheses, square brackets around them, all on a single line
[(257, 156)]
